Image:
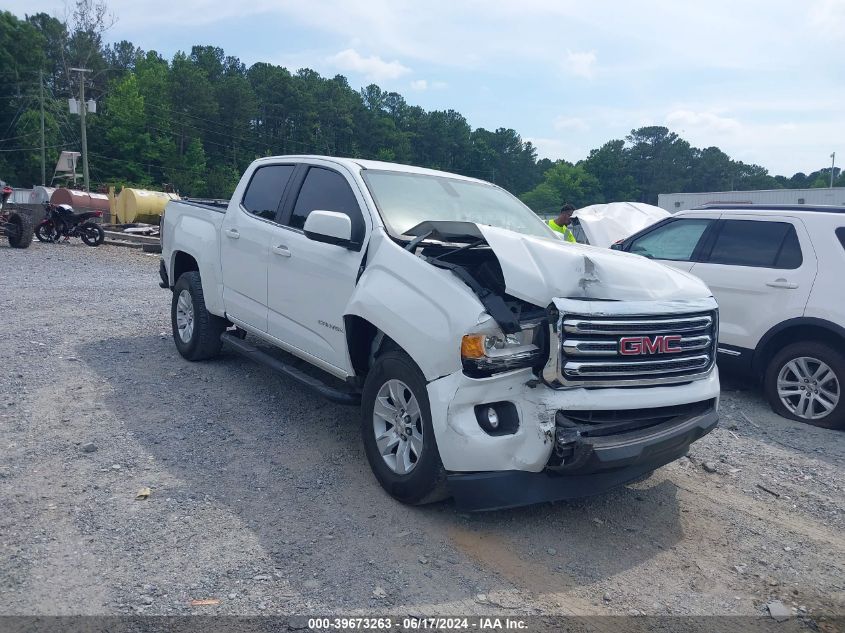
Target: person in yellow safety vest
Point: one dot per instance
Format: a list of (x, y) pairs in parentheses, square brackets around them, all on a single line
[(561, 223)]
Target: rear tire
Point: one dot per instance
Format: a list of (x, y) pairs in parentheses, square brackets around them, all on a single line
[(196, 331), (804, 382), (401, 449), (19, 230), (92, 234)]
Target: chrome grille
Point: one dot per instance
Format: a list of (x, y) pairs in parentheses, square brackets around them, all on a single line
[(590, 348)]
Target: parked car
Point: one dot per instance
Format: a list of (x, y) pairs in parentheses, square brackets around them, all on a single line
[(491, 360), (776, 272)]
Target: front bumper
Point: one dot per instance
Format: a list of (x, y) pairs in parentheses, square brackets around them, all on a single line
[(611, 461), (498, 471)]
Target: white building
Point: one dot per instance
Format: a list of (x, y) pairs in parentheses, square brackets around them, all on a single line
[(673, 202)]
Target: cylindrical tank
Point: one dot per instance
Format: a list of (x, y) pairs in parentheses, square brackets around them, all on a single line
[(99, 202), (81, 201), (40, 195), (140, 205)]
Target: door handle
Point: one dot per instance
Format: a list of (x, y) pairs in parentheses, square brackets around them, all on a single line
[(782, 283), (282, 250), (233, 233)]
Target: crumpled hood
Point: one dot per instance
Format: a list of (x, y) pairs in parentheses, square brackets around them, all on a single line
[(538, 270)]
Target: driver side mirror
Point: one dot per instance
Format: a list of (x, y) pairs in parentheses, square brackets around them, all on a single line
[(330, 227)]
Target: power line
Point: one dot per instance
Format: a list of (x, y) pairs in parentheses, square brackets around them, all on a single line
[(32, 149)]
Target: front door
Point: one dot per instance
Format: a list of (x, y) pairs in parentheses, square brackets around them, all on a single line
[(674, 242), (310, 283)]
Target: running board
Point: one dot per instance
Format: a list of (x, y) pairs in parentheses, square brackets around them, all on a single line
[(315, 384)]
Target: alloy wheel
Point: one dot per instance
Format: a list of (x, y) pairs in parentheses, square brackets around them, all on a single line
[(398, 426), (185, 316), (808, 388)]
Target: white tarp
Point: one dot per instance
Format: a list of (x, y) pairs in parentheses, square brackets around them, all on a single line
[(604, 224)]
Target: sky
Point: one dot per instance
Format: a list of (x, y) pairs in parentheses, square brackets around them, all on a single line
[(762, 80)]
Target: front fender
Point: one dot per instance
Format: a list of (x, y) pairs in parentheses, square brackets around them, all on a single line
[(425, 310)]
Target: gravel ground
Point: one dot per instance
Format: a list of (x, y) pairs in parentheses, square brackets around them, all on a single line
[(261, 497)]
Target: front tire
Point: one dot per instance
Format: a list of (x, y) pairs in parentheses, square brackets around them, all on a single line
[(804, 382), (19, 230), (196, 331), (92, 234), (46, 232), (397, 431)]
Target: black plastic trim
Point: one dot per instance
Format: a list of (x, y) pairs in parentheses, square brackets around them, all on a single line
[(620, 462), (162, 272), (831, 327), (315, 384), (734, 359), (817, 208)]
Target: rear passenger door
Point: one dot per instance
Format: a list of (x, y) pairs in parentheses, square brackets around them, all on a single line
[(245, 244), (310, 282), (761, 270)]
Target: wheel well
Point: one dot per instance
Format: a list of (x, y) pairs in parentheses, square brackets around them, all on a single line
[(794, 334), (183, 263), (364, 342)]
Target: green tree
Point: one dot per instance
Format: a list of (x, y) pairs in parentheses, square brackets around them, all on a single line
[(564, 183), (660, 161), (610, 165), (125, 129)]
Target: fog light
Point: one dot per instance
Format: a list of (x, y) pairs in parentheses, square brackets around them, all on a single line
[(497, 418), (492, 418)]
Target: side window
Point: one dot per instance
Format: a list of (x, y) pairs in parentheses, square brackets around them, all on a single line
[(327, 190), (264, 191), (840, 233), (757, 243), (675, 241)]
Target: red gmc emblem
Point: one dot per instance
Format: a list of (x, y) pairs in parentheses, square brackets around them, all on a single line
[(660, 344)]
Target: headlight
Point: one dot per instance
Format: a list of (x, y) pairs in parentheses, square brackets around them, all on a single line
[(493, 351)]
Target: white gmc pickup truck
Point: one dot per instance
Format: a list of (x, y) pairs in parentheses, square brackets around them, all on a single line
[(492, 361)]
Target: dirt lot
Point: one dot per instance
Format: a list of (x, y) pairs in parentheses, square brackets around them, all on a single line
[(262, 498)]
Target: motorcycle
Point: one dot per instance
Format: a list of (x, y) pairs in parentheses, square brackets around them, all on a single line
[(62, 223)]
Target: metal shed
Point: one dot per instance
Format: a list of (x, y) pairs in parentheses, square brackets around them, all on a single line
[(673, 202)]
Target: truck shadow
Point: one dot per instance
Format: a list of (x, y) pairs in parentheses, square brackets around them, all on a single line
[(291, 469)]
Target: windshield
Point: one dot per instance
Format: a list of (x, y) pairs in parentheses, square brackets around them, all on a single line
[(404, 200)]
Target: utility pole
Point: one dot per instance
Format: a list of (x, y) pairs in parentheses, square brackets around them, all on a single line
[(43, 149), (82, 108), (832, 164)]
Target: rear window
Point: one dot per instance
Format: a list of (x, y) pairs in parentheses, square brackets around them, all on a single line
[(758, 244), (264, 191), (840, 233)]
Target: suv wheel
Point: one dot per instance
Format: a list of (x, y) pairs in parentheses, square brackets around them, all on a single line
[(804, 382), (396, 429)]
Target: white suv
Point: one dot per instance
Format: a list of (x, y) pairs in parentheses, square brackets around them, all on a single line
[(778, 273)]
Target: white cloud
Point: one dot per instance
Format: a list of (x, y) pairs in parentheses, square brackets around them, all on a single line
[(373, 67), (581, 64), (707, 122), (420, 85), (570, 123), (828, 16)]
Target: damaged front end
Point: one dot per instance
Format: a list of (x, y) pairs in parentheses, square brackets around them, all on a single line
[(516, 334)]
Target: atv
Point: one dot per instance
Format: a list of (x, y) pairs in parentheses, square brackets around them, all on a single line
[(16, 226)]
